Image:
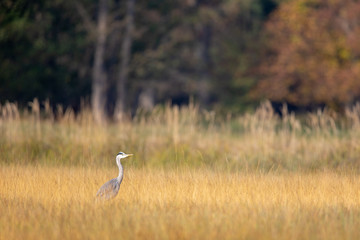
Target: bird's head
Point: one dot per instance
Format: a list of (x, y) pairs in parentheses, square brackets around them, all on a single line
[(121, 155)]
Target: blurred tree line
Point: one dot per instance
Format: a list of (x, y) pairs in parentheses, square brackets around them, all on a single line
[(227, 54)]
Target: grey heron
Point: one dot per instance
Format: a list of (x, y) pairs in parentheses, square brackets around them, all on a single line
[(111, 188)]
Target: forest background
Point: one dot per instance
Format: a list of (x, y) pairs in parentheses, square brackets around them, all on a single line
[(120, 56)]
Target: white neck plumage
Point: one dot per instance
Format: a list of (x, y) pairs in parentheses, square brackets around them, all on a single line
[(121, 169)]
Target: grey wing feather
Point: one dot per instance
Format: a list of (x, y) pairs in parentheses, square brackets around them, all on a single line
[(109, 190)]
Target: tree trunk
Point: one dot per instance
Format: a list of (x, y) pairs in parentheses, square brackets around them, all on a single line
[(146, 99), (99, 76), (124, 62), (205, 60)]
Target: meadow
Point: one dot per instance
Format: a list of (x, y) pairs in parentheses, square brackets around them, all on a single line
[(194, 174)]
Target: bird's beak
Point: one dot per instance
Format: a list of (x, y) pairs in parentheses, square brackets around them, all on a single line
[(128, 155)]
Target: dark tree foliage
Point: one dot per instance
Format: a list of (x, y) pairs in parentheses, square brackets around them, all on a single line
[(180, 49), (42, 52)]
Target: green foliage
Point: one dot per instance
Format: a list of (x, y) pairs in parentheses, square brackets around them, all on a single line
[(41, 52), (48, 46)]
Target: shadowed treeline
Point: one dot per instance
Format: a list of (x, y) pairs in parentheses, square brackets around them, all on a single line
[(227, 54)]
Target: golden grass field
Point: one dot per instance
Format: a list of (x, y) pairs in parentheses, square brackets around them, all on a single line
[(194, 175), (58, 203)]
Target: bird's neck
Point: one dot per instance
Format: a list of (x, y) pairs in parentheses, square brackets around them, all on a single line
[(121, 172)]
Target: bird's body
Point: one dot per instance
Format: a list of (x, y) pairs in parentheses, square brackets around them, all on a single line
[(111, 188)]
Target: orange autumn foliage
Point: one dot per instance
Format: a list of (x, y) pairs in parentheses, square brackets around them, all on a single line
[(314, 53)]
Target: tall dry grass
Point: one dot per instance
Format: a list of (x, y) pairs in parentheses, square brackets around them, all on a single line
[(173, 137), (58, 203)]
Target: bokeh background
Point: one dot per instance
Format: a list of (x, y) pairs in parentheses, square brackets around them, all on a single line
[(226, 55)]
